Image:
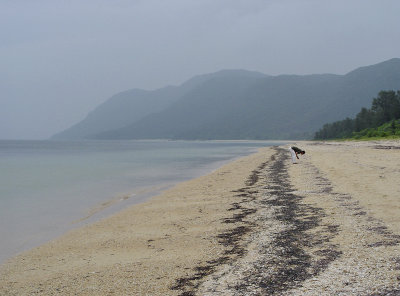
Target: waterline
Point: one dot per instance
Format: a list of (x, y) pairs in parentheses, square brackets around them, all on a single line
[(50, 187)]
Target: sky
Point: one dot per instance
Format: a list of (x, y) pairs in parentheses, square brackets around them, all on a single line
[(59, 59)]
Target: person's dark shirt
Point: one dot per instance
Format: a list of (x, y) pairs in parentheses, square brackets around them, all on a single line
[(297, 150)]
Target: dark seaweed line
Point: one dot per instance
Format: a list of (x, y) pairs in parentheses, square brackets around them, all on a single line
[(290, 263), (231, 239), (386, 147)]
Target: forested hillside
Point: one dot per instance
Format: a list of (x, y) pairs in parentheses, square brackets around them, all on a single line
[(381, 120)]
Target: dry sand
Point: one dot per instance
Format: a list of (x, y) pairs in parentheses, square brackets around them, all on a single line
[(328, 225)]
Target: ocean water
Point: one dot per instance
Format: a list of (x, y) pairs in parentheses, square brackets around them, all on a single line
[(50, 187)]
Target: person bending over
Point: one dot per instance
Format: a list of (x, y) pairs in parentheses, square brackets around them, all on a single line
[(294, 152)]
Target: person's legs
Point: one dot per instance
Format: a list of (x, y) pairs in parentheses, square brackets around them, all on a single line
[(293, 155)]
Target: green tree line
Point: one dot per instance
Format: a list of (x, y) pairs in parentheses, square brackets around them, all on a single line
[(385, 109)]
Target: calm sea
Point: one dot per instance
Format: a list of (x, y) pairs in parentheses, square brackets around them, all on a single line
[(49, 187)]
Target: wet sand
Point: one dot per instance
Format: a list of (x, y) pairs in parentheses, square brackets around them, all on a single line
[(257, 226)]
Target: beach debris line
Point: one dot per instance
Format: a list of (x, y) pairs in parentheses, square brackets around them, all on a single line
[(288, 245), (231, 239), (267, 252)]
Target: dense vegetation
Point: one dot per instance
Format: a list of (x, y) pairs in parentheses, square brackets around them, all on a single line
[(388, 130), (381, 120)]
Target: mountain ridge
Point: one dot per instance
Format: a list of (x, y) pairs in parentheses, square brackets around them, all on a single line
[(240, 104)]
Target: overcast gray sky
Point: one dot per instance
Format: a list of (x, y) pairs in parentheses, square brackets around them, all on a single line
[(60, 59)]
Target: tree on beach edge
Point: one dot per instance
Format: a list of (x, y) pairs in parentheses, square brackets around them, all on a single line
[(381, 120)]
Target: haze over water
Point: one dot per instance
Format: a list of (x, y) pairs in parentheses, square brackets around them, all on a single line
[(49, 187)]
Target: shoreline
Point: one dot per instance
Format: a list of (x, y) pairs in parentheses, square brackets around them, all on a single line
[(132, 237), (258, 225), (93, 205)]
